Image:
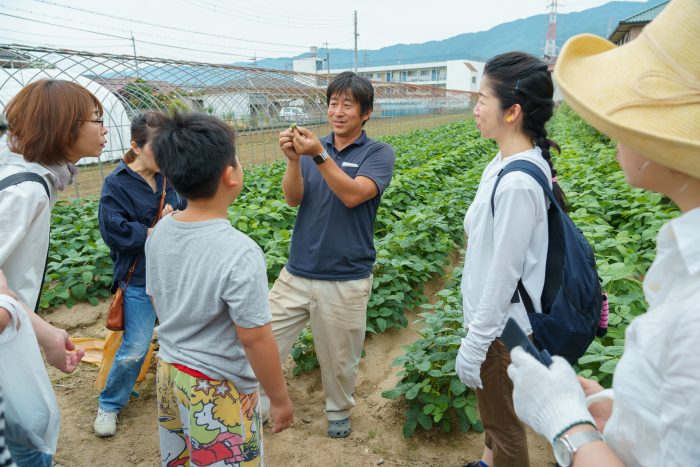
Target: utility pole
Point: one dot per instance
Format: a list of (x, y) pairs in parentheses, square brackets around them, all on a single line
[(356, 34), (550, 48), (136, 63), (328, 60)]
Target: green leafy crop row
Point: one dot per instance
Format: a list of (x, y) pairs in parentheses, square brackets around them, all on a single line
[(79, 267)]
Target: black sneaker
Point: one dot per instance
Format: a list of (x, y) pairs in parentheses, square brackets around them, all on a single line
[(473, 464)]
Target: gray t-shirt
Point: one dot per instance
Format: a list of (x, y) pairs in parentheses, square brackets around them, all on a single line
[(205, 277)]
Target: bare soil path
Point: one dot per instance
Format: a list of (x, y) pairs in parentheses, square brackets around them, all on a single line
[(377, 423)]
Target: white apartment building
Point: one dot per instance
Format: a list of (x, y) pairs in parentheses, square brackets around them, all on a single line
[(459, 75)]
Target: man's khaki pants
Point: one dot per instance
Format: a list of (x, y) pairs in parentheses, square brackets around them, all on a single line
[(338, 313)]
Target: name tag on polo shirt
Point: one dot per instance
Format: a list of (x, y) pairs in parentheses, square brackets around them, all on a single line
[(349, 164)]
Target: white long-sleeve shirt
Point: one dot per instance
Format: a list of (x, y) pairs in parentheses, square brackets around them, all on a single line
[(504, 248), (25, 217), (656, 413)]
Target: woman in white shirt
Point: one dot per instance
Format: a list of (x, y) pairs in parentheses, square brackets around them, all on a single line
[(645, 95), (52, 125), (507, 244)]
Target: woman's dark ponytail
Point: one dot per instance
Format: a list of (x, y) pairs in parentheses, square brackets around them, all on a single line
[(520, 78), (142, 126), (541, 141), (130, 156)]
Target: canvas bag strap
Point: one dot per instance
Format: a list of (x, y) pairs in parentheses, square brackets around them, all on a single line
[(22, 177), (155, 220)]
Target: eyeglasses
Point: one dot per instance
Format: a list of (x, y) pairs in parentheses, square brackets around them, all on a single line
[(97, 120)]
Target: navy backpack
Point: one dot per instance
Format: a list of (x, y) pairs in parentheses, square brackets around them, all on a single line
[(571, 297)]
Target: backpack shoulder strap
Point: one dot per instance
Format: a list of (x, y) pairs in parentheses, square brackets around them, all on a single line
[(529, 168), (534, 171), (22, 177)]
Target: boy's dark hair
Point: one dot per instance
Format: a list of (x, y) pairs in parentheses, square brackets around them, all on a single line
[(520, 78), (355, 86), (192, 150)]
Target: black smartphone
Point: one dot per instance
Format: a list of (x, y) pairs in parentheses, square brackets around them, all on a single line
[(513, 336)]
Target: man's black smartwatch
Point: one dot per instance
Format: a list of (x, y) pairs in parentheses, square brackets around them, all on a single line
[(321, 158)]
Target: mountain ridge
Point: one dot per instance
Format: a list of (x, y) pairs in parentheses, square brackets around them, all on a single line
[(525, 34)]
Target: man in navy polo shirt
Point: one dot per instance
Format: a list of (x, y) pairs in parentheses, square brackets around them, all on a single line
[(337, 182)]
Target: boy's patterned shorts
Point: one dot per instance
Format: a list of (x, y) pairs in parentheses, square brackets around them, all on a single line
[(206, 422)]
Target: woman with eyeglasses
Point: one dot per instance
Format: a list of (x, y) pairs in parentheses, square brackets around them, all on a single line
[(52, 125), (129, 207)]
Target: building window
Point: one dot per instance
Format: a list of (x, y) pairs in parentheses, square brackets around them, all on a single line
[(434, 74), (404, 75), (389, 76), (473, 79)]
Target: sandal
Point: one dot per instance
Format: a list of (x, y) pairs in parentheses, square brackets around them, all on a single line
[(339, 428)]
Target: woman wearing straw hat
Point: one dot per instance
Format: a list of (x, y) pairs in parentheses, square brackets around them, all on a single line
[(646, 95)]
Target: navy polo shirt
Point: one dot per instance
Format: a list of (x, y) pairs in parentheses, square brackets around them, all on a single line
[(331, 241), (128, 206)]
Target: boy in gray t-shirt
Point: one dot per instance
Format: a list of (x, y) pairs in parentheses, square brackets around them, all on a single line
[(208, 283)]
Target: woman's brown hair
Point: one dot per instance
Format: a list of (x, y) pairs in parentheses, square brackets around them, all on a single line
[(44, 119), (142, 127)]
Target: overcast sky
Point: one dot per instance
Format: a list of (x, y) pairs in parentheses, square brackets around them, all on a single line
[(229, 31)]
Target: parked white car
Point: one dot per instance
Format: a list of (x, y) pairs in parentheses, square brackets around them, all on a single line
[(294, 114)]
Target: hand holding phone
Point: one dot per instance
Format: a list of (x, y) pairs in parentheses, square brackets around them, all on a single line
[(513, 336)]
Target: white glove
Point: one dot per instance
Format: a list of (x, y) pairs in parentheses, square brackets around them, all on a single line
[(468, 364), (550, 400)]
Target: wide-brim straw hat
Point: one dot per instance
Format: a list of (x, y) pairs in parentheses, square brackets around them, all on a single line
[(646, 93)]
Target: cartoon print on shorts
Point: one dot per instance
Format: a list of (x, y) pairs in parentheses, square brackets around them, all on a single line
[(173, 448), (206, 422), (224, 426)]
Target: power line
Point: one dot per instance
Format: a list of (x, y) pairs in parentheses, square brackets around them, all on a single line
[(220, 36), (127, 38), (50, 35), (209, 44), (245, 57), (46, 44), (287, 14), (284, 21), (61, 26)]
